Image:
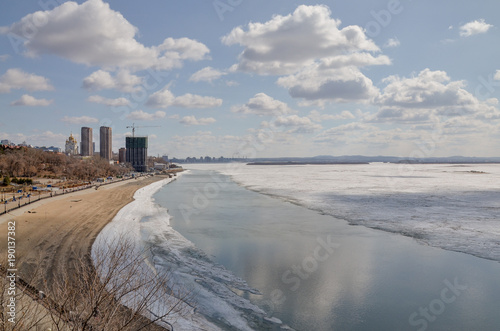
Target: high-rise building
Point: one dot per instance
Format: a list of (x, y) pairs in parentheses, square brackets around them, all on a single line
[(86, 145), (137, 152), (105, 138), (122, 155), (71, 147)]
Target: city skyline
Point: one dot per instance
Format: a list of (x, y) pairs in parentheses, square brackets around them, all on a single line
[(399, 78)]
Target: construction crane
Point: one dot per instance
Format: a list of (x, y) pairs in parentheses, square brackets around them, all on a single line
[(133, 126)]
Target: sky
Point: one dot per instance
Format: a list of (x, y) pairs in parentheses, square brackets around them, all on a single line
[(241, 78)]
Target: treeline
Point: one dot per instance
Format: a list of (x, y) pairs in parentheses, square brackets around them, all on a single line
[(30, 162)]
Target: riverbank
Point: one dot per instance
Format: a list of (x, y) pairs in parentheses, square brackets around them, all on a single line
[(52, 235)]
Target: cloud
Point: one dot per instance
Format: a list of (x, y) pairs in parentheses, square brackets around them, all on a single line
[(123, 81), (93, 34), (264, 105), (492, 101), (46, 138), (392, 42), (207, 74), (285, 44), (463, 125), (196, 101), (202, 143), (4, 57), (298, 124), (15, 79), (79, 120), (322, 61), (161, 99), (28, 100), (316, 116), (140, 115), (430, 93), (164, 98), (108, 102), (474, 27), (341, 132), (497, 75), (191, 120), (319, 83)]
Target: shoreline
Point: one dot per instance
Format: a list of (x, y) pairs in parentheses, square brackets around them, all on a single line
[(54, 232), (128, 226)]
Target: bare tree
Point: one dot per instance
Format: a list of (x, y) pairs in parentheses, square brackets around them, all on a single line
[(30, 162), (20, 309), (119, 292)]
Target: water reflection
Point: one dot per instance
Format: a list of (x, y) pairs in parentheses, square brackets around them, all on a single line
[(364, 280)]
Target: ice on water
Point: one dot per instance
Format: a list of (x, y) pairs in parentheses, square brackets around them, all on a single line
[(455, 207), (211, 304)]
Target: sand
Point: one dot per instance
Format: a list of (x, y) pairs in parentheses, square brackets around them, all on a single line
[(59, 230)]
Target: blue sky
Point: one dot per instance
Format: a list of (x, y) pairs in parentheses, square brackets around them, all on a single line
[(255, 78)]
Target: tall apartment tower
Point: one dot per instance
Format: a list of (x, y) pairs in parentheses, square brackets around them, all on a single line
[(105, 142), (137, 152), (86, 145), (122, 155)]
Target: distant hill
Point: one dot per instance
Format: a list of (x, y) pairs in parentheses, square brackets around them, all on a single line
[(356, 159)]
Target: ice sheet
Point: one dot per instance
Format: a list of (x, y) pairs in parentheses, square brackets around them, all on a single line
[(455, 207)]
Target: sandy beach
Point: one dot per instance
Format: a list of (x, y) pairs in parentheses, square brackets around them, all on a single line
[(57, 231)]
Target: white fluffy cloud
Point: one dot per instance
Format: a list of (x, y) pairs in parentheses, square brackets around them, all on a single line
[(207, 74), (28, 100), (474, 27), (285, 44), (262, 104), (340, 85), (79, 120), (164, 98), (140, 115), (321, 59), (17, 79), (161, 99), (118, 102), (191, 120), (123, 81), (92, 33), (431, 93)]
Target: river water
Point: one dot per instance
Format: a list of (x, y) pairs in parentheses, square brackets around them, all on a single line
[(317, 272)]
